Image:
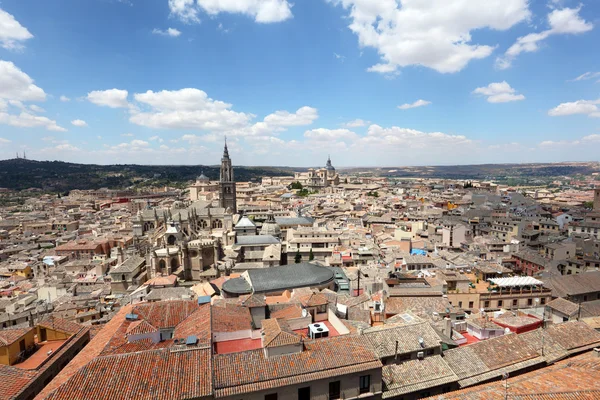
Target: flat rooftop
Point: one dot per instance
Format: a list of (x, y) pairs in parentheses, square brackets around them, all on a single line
[(41, 355), (239, 345)]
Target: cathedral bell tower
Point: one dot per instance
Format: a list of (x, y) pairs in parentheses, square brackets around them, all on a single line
[(227, 184)]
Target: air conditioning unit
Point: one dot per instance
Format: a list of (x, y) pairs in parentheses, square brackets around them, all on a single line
[(318, 330), (420, 355)]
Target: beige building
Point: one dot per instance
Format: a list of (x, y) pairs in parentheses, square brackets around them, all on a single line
[(321, 241), (318, 179)]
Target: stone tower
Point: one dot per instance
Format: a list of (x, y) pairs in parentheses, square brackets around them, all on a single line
[(227, 184), (597, 199)]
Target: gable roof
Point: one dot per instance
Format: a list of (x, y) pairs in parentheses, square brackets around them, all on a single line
[(276, 332), (248, 371), (157, 374)]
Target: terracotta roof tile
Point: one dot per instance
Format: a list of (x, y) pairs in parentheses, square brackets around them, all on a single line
[(148, 375), (276, 332), (10, 336), (237, 373)]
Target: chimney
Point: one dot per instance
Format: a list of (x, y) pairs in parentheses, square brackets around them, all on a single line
[(597, 351), (448, 327)]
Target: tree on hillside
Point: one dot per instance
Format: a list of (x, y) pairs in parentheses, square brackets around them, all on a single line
[(296, 185), (298, 257), (311, 256)]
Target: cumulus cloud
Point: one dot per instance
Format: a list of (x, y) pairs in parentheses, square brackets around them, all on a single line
[(17, 85), (585, 107), (561, 22), (412, 138), (418, 103), (186, 109), (322, 134), (171, 32), (357, 123), (113, 98), (435, 34), (79, 122), (12, 33), (500, 92), (64, 99), (263, 11), (27, 120), (36, 108)]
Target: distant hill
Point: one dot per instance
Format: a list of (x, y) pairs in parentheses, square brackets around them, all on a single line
[(58, 176), (61, 176), (496, 172)]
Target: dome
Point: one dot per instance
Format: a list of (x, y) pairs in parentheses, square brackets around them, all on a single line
[(328, 166), (270, 227), (202, 178)]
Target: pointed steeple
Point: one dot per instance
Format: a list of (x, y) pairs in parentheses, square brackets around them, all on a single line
[(225, 151)]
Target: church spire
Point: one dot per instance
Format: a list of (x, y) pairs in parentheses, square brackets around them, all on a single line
[(225, 151)]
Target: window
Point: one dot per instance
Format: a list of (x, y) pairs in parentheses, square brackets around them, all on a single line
[(499, 303), (304, 393), (529, 302), (543, 300), (515, 302), (334, 390), (272, 396), (365, 384), (470, 304), (486, 304), (322, 309)]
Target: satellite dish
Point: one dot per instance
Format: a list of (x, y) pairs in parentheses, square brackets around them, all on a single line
[(304, 313)]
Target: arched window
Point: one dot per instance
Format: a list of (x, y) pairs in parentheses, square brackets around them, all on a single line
[(174, 264), (171, 240), (162, 265)]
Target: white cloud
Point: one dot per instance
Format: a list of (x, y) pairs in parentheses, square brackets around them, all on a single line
[(36, 109), (585, 76), (499, 92), (171, 32), (561, 22), (185, 10), (357, 123), (17, 85), (12, 33), (418, 103), (263, 11), (435, 33), (113, 98), (322, 134), (279, 121), (4, 141), (339, 57), (26, 120), (584, 141), (585, 107), (411, 138), (79, 122), (156, 139), (187, 109), (66, 147), (64, 99)]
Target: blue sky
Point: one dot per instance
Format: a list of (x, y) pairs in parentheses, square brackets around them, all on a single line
[(386, 83)]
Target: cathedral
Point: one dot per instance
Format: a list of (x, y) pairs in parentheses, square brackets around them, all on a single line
[(188, 239)]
